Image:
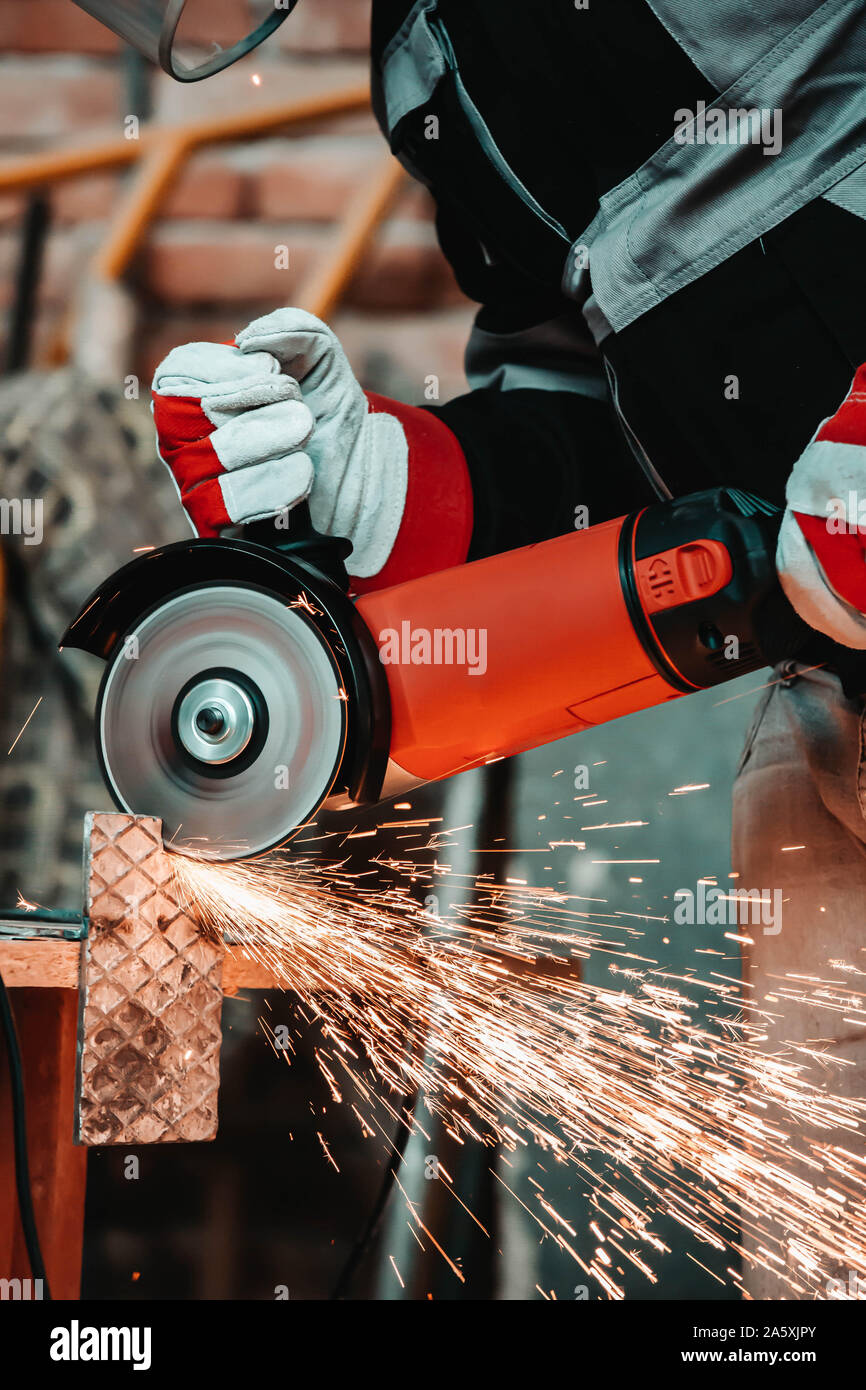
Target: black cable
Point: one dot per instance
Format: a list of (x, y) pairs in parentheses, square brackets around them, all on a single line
[(371, 1230), (19, 1123)]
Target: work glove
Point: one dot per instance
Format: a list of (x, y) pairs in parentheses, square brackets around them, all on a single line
[(232, 430), (250, 430), (821, 555)]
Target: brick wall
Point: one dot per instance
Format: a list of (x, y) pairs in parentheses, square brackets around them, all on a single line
[(209, 265)]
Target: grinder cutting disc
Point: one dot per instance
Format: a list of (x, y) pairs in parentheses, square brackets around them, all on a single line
[(223, 714)]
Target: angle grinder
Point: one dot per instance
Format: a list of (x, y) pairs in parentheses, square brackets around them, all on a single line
[(244, 688)]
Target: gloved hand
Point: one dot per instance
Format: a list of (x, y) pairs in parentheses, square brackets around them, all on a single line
[(251, 430), (821, 555)]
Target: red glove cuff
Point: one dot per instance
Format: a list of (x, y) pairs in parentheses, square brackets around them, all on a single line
[(848, 425), (437, 519)]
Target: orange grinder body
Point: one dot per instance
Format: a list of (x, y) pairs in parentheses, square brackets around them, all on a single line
[(504, 654), (259, 637)]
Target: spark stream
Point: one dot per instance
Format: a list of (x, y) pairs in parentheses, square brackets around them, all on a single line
[(507, 1045)]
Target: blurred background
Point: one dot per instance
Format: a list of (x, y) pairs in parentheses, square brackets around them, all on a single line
[(262, 1209)]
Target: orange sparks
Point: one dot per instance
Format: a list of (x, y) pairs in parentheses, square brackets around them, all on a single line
[(303, 601), (24, 725), (506, 1047)]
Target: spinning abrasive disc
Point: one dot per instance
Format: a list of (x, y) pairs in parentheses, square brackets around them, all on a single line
[(222, 713)]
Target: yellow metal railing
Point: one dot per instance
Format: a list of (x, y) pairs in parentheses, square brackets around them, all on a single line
[(161, 152)]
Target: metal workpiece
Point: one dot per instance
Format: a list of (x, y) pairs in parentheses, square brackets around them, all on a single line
[(150, 1000)]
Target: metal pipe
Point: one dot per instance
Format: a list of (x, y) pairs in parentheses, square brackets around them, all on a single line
[(17, 175), (24, 925), (155, 175), (326, 285)]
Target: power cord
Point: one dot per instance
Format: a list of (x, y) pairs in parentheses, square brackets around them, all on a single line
[(362, 1245), (19, 1123)]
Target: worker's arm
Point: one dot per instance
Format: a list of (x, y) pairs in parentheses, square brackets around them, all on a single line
[(540, 462)]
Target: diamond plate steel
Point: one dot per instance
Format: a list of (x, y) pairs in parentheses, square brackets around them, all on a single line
[(150, 1002)]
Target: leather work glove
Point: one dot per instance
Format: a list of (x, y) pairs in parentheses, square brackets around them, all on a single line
[(821, 555), (252, 429)]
